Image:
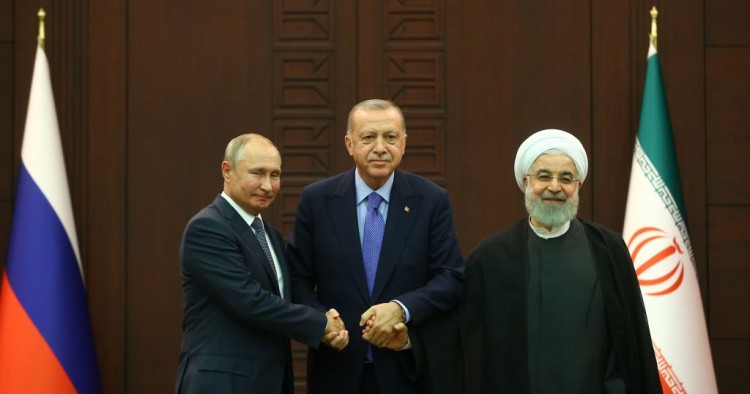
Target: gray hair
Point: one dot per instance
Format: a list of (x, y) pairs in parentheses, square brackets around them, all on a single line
[(236, 147), (372, 104)]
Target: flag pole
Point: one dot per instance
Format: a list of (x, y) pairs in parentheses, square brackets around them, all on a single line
[(654, 14), (40, 39)]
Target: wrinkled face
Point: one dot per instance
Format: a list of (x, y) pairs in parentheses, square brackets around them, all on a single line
[(377, 143), (552, 190), (256, 180)]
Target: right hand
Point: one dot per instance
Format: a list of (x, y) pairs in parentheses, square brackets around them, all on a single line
[(397, 341), (335, 335)]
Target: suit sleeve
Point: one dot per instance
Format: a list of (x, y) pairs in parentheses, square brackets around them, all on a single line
[(212, 257), (446, 285), (300, 252)]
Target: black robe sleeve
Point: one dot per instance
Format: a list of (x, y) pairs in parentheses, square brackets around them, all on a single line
[(481, 345), (626, 313)]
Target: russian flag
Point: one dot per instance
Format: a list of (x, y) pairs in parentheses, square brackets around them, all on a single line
[(46, 342)]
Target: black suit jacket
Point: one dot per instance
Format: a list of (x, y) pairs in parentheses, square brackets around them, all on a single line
[(236, 327), (420, 265)]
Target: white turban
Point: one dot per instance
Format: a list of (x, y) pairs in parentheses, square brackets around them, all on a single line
[(543, 141)]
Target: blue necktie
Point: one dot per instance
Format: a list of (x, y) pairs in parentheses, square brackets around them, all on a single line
[(260, 233), (372, 239)]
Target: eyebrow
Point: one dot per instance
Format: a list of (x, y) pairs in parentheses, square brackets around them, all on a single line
[(544, 170)]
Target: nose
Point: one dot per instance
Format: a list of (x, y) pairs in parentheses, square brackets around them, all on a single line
[(554, 185), (379, 144), (265, 183)]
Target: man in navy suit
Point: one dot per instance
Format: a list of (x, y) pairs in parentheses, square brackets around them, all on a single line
[(419, 271), (238, 317)]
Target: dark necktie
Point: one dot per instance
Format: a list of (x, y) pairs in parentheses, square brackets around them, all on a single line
[(372, 239), (260, 233)]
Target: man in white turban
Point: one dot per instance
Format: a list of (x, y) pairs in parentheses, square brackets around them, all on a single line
[(550, 141), (553, 303), (550, 167)]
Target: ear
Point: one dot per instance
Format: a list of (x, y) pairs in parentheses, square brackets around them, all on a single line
[(226, 171), (349, 144)]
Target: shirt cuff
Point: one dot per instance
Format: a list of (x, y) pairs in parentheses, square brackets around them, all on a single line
[(407, 316), (407, 346)]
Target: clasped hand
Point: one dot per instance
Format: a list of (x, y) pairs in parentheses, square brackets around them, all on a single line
[(335, 335), (383, 325)]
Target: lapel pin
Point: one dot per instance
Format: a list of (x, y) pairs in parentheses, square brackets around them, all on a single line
[(406, 209)]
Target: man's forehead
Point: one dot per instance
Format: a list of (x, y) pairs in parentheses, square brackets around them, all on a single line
[(557, 163)]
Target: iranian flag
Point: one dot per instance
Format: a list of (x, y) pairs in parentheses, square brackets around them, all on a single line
[(656, 233)]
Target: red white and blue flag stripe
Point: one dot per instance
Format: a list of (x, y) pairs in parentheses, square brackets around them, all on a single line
[(46, 341)]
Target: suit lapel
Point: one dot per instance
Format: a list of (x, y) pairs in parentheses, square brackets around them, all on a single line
[(246, 233), (403, 210), (341, 207)]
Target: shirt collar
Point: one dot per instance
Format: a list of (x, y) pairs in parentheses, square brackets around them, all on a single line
[(556, 231), (247, 217), (363, 190)]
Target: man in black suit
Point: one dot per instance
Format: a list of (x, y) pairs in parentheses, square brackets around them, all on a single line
[(417, 273), (238, 317)]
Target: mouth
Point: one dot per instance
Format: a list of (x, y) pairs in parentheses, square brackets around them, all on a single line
[(554, 200)]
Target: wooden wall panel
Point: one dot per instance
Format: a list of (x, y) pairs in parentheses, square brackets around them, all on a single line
[(729, 315), (6, 22), (729, 318), (727, 95), (313, 50), (405, 63), (731, 360), (513, 68), (107, 211), (199, 73), (613, 130), (727, 59), (727, 23), (313, 47)]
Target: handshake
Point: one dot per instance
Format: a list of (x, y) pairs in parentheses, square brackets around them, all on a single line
[(383, 325)]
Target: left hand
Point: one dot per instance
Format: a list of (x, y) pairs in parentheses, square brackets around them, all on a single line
[(378, 323)]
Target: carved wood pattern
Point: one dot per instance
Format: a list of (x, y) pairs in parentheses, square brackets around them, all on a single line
[(302, 111), (415, 80)]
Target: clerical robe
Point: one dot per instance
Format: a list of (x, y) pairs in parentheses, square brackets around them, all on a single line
[(483, 345)]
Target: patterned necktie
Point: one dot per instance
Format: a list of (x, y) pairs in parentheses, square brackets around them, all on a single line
[(260, 233), (372, 239)]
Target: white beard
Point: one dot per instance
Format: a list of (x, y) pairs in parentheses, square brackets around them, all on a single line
[(550, 214)]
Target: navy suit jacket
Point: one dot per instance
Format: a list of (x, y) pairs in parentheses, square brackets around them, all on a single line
[(236, 328), (420, 265)]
